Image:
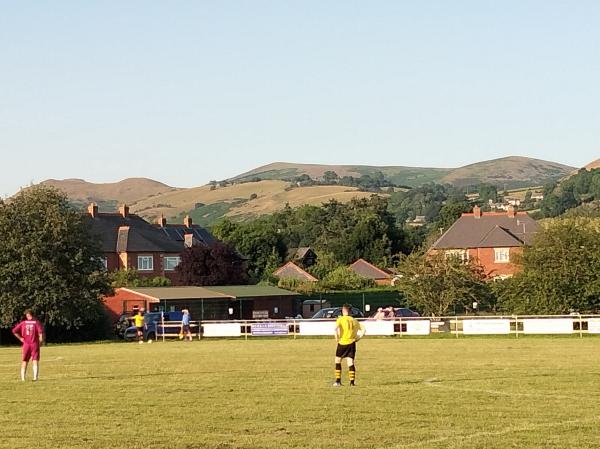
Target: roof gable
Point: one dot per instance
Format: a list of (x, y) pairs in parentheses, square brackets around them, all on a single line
[(292, 271), (368, 270), (498, 236)]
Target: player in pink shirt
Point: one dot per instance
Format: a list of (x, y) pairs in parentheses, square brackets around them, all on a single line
[(31, 334)]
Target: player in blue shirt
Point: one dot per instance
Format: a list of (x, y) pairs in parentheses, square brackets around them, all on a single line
[(185, 325)]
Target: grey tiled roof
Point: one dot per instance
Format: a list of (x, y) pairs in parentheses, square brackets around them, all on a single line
[(140, 237), (177, 234), (491, 230)]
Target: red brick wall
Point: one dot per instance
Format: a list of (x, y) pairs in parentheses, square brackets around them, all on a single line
[(486, 257), (112, 261), (115, 262), (123, 301)]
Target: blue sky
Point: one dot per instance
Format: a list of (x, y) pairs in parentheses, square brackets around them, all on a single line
[(185, 92)]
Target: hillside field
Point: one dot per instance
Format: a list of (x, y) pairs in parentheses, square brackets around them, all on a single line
[(232, 394), (235, 200)]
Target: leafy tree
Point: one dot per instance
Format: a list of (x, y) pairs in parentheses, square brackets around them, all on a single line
[(49, 261), (299, 286), (449, 213), (435, 282), (487, 192), (257, 240), (342, 278), (131, 278), (560, 271), (581, 188), (217, 264), (326, 263), (330, 176)]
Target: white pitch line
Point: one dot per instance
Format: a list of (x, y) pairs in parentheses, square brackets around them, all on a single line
[(434, 382), (526, 428)]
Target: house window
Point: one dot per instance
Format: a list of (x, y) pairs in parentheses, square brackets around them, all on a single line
[(145, 263), (171, 262), (501, 255), (105, 263), (462, 254)]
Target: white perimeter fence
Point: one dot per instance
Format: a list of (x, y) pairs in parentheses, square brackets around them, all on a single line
[(422, 326)]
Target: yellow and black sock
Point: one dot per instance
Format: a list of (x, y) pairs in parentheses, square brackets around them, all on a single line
[(338, 372), (352, 374)]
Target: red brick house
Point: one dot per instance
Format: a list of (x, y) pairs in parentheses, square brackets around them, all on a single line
[(128, 241), (492, 239), (368, 270), (292, 271)]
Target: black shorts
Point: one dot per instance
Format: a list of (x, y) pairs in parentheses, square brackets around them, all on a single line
[(346, 351), (186, 328), (140, 329)]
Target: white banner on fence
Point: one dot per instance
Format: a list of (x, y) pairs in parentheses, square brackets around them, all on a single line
[(593, 325), (486, 327), (379, 327), (548, 326), (269, 329), (222, 330), (317, 327), (417, 327)]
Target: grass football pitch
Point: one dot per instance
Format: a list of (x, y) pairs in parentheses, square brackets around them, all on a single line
[(535, 392)]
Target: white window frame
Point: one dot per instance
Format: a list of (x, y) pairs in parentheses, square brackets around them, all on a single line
[(105, 263), (168, 259), (142, 259), (501, 255)]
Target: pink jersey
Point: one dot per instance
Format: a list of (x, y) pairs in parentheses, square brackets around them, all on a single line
[(30, 331)]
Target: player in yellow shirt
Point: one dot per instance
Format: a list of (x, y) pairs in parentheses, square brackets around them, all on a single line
[(347, 332), (138, 320)]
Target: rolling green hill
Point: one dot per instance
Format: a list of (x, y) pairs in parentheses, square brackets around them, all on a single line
[(507, 172), (271, 190)]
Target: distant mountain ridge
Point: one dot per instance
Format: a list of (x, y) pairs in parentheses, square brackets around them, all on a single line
[(264, 189), (510, 172), (593, 164), (128, 190)]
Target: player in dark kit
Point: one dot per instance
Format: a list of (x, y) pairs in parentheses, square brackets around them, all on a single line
[(347, 332), (31, 334)]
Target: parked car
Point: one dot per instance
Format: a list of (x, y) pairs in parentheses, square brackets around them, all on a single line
[(384, 313), (122, 324), (152, 322), (334, 312)]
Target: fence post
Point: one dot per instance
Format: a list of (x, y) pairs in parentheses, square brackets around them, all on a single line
[(294, 324), (245, 331), (162, 322), (580, 327), (456, 325), (516, 326), (400, 320)]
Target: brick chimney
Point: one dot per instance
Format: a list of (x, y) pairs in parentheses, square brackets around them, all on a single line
[(124, 210), (477, 212), (510, 211), (187, 221), (189, 240), (161, 221), (93, 210)]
